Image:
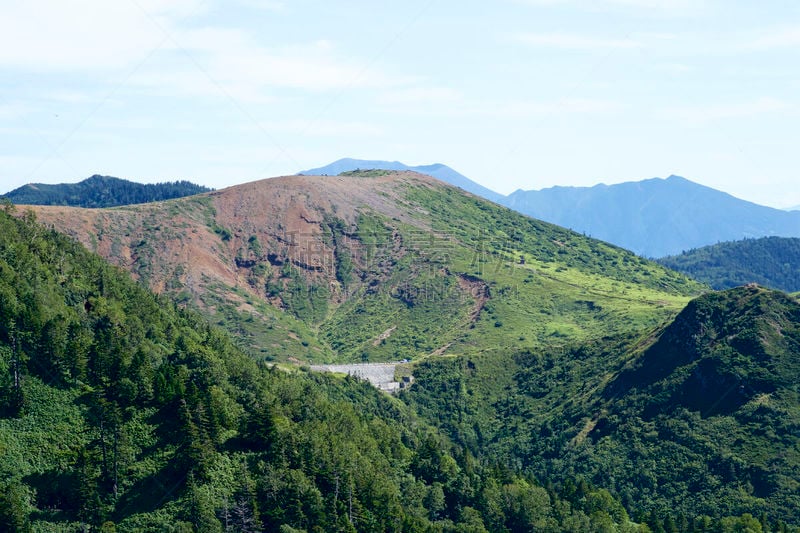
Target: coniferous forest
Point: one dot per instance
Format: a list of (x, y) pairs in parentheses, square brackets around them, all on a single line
[(101, 191), (769, 261)]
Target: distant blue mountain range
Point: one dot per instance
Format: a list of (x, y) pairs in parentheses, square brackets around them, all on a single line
[(654, 217)]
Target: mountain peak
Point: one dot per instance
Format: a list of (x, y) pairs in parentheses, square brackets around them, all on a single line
[(655, 217), (436, 170), (728, 346)]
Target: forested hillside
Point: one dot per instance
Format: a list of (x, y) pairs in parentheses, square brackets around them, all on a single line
[(700, 417), (120, 412), (101, 191), (769, 261), (555, 389)]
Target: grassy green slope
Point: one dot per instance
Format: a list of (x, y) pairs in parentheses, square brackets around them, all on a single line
[(474, 277), (538, 325), (699, 417)]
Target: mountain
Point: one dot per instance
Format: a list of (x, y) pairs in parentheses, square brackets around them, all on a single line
[(437, 170), (101, 191), (655, 217), (554, 370), (121, 412), (769, 261), (376, 266), (697, 417), (717, 386)]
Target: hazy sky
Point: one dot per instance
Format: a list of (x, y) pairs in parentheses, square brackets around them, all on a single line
[(511, 93)]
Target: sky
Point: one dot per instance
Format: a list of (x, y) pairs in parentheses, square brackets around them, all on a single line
[(511, 93)]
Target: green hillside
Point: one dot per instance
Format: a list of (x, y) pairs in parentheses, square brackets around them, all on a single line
[(770, 261), (493, 281), (101, 191), (119, 412), (534, 351), (378, 266), (700, 417)]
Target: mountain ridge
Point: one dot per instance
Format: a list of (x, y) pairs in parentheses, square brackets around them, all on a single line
[(337, 261), (698, 415), (101, 191), (655, 217), (121, 412)]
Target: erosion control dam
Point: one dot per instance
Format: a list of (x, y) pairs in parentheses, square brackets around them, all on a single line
[(380, 375)]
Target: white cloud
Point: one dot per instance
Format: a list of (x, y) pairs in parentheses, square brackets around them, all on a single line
[(712, 113), (68, 96), (85, 34), (778, 38), (230, 61), (264, 5), (572, 41), (673, 68), (13, 110), (659, 7), (312, 67), (421, 95), (577, 106), (323, 128), (444, 101), (148, 39), (169, 8), (657, 36)]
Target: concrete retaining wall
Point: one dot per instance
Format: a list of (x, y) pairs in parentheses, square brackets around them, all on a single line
[(380, 375)]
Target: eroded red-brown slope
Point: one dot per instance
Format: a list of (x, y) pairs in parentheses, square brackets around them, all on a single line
[(197, 242)]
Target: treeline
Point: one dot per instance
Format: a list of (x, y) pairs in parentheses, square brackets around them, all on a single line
[(121, 412), (769, 261), (101, 191)]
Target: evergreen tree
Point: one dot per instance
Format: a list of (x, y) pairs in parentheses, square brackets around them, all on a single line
[(13, 508)]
